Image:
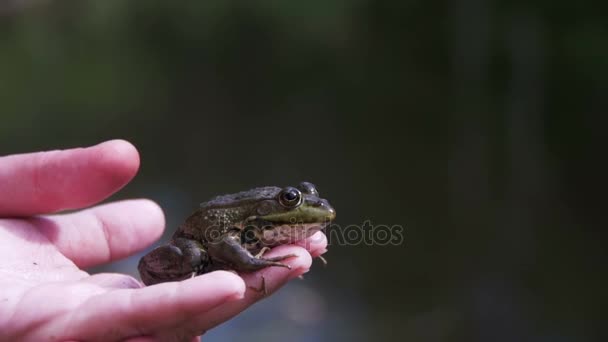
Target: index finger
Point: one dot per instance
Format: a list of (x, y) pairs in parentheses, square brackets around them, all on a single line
[(46, 182)]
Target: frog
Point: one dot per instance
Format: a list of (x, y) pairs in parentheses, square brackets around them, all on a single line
[(233, 232)]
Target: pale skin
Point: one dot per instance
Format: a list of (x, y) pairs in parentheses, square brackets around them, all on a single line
[(46, 296)]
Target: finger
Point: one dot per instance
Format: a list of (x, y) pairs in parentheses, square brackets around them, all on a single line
[(157, 310), (315, 244), (104, 233), (46, 182), (274, 277)]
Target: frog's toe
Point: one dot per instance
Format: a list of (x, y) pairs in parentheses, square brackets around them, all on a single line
[(262, 288), (262, 251), (277, 264), (323, 260), (281, 257)]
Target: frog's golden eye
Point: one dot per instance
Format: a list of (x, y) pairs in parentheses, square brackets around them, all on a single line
[(308, 188), (290, 197)]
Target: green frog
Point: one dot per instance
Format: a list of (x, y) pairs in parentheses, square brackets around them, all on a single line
[(232, 232)]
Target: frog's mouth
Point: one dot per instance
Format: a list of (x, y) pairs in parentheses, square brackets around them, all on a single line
[(309, 212), (290, 233)]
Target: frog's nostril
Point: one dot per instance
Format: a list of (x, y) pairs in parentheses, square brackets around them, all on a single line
[(331, 213), (323, 203)]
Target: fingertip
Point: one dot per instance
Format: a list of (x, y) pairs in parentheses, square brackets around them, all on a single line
[(300, 264), (315, 244), (228, 285), (118, 157), (235, 286), (319, 252), (155, 215), (301, 260)]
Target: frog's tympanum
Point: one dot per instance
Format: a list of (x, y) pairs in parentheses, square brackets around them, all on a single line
[(232, 232)]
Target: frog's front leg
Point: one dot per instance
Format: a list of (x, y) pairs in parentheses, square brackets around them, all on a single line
[(230, 252), (177, 260)]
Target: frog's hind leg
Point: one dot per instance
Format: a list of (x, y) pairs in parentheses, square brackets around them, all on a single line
[(178, 260), (230, 252)]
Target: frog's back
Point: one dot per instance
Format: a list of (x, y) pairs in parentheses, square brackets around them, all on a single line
[(241, 198)]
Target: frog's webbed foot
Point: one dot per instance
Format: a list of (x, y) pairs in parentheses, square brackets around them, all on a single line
[(262, 288), (275, 262), (279, 258)]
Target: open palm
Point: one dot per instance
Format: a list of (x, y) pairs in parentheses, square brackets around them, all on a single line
[(44, 294)]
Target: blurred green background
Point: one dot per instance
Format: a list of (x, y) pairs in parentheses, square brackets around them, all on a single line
[(479, 126)]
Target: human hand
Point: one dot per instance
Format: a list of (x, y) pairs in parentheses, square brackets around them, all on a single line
[(46, 296)]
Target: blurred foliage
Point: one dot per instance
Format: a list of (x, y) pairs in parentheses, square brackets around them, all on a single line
[(477, 125)]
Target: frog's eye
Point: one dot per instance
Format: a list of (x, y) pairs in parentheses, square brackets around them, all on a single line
[(308, 188), (290, 197)]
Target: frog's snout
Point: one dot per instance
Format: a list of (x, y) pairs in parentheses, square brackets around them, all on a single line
[(332, 214), (330, 211)]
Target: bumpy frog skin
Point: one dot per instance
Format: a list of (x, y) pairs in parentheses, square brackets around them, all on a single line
[(232, 232)]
